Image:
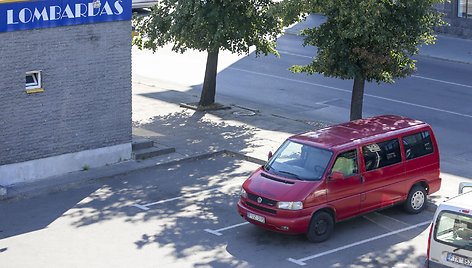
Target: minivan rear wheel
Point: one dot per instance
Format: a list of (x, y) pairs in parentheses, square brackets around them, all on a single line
[(416, 200), (321, 227)]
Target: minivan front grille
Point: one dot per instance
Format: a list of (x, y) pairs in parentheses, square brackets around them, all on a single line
[(272, 211), (264, 201)]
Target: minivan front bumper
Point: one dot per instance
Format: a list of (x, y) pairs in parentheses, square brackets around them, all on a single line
[(292, 225)]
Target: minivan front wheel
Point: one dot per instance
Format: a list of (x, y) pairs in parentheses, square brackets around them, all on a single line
[(416, 200), (321, 227)]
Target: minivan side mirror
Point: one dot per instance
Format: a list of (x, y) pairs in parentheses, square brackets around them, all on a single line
[(336, 175), (269, 156)]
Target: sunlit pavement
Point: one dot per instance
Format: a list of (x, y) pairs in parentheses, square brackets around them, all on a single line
[(184, 215)]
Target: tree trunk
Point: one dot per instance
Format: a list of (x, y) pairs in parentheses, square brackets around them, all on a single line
[(357, 98), (209, 83)]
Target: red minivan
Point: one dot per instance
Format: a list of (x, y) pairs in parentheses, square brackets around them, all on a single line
[(318, 178)]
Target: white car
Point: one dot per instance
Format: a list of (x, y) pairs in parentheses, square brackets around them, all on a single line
[(143, 3), (450, 236)]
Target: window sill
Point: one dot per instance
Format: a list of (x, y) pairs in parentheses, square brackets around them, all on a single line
[(34, 90)]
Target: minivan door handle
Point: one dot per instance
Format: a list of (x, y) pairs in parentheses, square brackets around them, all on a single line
[(362, 179)]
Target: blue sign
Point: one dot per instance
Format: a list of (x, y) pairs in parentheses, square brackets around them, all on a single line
[(17, 16)]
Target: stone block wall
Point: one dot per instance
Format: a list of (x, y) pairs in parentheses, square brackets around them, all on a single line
[(86, 103)]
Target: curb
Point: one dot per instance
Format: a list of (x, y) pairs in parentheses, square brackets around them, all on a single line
[(196, 107), (54, 184), (3, 192), (246, 157), (435, 57)]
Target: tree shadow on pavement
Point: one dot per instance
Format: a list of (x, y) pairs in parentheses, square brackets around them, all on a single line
[(192, 132), (391, 257), (195, 194), (237, 129), (20, 216)]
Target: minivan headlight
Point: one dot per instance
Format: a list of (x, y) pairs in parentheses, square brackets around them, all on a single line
[(243, 193), (290, 205)]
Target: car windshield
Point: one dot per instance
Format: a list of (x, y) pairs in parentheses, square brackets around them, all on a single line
[(454, 229), (299, 161)]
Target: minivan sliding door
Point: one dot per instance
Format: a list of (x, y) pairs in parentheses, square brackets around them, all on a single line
[(383, 173)]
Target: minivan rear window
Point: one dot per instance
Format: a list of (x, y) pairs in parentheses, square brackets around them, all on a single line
[(417, 145), (382, 154), (454, 229)]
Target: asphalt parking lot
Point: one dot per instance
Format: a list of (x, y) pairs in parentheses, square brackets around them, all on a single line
[(184, 215)]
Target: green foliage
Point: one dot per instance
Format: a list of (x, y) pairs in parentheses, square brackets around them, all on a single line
[(371, 39), (210, 25), (291, 11)]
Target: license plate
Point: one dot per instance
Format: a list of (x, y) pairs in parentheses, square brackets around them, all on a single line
[(459, 259), (255, 217)]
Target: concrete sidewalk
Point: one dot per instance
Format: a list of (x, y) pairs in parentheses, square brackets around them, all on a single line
[(449, 48)]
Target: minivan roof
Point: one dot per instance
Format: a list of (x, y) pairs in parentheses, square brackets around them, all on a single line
[(348, 132)]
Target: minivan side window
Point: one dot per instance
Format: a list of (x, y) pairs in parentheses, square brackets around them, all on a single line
[(381, 154), (346, 163), (417, 145)]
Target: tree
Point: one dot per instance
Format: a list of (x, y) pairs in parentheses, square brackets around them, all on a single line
[(211, 26), (369, 40)]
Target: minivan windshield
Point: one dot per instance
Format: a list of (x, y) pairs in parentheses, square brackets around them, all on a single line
[(454, 229), (299, 161)]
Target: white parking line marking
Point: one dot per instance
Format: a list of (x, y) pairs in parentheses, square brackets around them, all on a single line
[(367, 217), (415, 76), (165, 201), (441, 81), (380, 223), (390, 218), (146, 206), (294, 54), (141, 207), (302, 261), (218, 232), (420, 106), (289, 79), (213, 232), (349, 91)]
